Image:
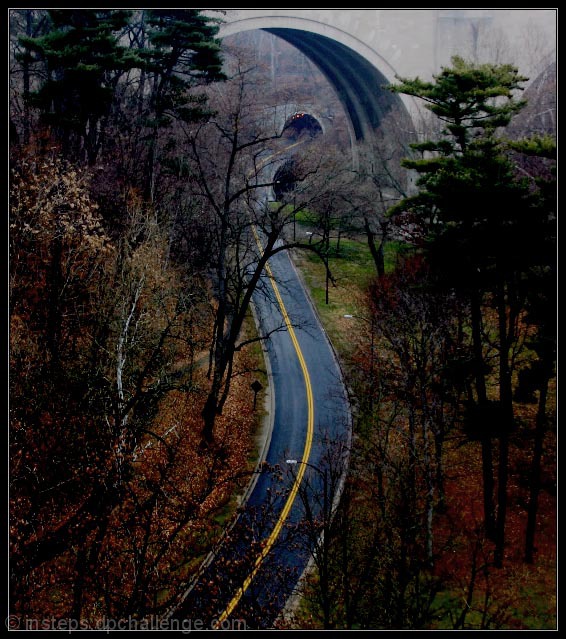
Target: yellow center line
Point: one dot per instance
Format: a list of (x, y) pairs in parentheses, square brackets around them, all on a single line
[(301, 467)]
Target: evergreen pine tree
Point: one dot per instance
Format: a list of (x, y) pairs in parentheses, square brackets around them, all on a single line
[(480, 232), (83, 61)]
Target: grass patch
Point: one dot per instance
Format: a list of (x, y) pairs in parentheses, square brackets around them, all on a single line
[(353, 269)]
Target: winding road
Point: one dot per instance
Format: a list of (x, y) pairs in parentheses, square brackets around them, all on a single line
[(257, 568)]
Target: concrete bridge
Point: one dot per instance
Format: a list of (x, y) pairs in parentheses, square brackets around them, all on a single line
[(361, 50)]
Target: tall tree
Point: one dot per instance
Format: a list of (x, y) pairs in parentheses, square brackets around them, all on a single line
[(235, 159), (97, 328), (82, 62), (476, 224), (32, 23), (381, 182), (320, 528), (181, 52), (541, 307)]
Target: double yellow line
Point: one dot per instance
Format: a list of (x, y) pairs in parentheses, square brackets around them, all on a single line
[(301, 466)]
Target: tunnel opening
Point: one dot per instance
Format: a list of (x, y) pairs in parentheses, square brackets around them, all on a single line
[(301, 124), (284, 179)]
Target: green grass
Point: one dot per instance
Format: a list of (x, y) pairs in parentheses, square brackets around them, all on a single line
[(448, 605), (353, 269)]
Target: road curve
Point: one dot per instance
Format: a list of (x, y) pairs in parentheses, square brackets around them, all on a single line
[(311, 407)]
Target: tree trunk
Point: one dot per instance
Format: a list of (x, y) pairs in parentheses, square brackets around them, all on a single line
[(149, 181), (87, 560), (429, 495), (459, 623), (376, 252), (438, 455), (212, 349), (535, 473), (226, 390), (225, 344), (142, 77), (486, 444), (506, 405), (326, 298), (78, 585), (211, 406), (502, 475), (219, 342), (91, 141), (54, 312), (26, 81)]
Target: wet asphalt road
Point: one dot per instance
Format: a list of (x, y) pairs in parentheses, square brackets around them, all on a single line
[(218, 593)]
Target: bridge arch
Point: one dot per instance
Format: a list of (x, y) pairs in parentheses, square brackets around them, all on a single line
[(355, 70)]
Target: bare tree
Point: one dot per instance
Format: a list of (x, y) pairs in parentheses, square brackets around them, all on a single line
[(382, 182), (117, 318), (234, 158), (320, 492)]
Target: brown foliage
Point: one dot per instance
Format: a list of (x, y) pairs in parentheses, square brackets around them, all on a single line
[(112, 500)]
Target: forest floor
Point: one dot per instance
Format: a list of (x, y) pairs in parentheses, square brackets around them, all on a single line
[(518, 595)]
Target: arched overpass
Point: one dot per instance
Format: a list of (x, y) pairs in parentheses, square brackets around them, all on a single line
[(361, 50), (356, 77)]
